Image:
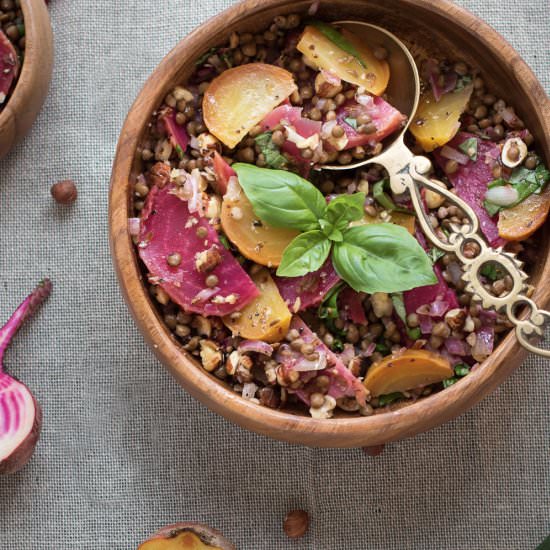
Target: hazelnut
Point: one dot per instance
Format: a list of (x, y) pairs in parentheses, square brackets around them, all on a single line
[(513, 152), (64, 192), (296, 524), (455, 318), (211, 355)]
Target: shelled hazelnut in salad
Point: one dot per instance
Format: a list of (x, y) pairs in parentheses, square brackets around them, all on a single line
[(317, 289)]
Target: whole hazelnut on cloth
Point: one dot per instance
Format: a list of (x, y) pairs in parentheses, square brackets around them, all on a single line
[(296, 524), (64, 192)]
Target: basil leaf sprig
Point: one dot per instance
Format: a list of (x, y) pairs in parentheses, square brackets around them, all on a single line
[(272, 153), (339, 40), (378, 257)]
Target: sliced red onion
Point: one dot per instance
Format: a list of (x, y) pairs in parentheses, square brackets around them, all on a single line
[(438, 308), (363, 99), (305, 365), (488, 317), (256, 346), (205, 294), (133, 226), (249, 390), (503, 195), (485, 340), (456, 346), (348, 354), (509, 116), (371, 348), (454, 154), (425, 323), (21, 416)]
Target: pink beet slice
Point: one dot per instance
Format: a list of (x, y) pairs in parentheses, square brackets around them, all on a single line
[(9, 66), (386, 118), (177, 133), (309, 290), (223, 172), (351, 304), (303, 126), (20, 413), (430, 294), (470, 181), (342, 381), (167, 227)]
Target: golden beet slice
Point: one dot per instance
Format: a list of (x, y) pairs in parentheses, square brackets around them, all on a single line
[(521, 221), (267, 317), (187, 536), (241, 97), (436, 123), (409, 370), (325, 54), (255, 239)]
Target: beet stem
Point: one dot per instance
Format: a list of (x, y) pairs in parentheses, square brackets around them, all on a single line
[(21, 314)]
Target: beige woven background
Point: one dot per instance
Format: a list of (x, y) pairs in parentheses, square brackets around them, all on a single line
[(124, 450)]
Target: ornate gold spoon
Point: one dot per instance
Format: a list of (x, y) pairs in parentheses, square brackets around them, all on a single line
[(410, 173)]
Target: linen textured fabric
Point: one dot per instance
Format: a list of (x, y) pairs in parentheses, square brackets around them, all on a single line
[(124, 450)]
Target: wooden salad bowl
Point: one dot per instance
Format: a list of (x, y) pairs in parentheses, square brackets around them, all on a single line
[(433, 22), (32, 85)]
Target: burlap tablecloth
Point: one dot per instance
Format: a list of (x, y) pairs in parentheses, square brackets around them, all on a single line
[(124, 450)]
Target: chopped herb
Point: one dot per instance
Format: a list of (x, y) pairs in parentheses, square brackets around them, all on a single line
[(435, 254), (328, 309), (389, 398), (382, 348), (224, 241), (179, 151), (462, 82), (351, 122), (462, 370), (469, 147), (524, 181), (337, 345), (450, 381), (399, 306), (225, 57), (383, 199), (339, 40), (204, 58), (492, 271), (272, 154)]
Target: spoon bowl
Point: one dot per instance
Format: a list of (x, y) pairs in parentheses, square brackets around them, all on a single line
[(403, 91)]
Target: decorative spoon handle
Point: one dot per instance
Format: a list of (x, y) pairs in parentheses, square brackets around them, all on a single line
[(531, 324)]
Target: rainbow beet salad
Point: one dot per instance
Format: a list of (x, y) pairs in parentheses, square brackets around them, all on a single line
[(312, 288)]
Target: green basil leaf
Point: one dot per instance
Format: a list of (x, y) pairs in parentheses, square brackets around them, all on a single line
[(307, 252), (492, 271), (382, 257), (469, 147), (179, 151), (414, 333), (383, 199), (499, 182), (382, 348), (338, 39), (282, 199), (272, 154), (389, 398), (344, 209), (204, 57)]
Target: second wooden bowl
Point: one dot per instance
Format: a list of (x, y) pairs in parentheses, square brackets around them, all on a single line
[(456, 31), (32, 85)]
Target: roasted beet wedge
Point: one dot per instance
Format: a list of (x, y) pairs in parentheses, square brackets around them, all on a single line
[(167, 228), (302, 292), (470, 181), (9, 66)]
